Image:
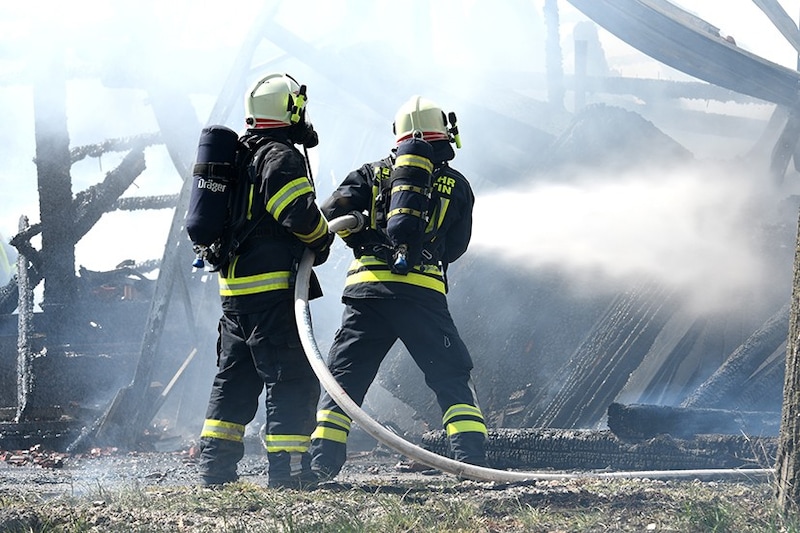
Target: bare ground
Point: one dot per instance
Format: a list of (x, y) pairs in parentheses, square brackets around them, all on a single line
[(377, 491)]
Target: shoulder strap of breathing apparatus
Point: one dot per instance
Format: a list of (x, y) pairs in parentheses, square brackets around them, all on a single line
[(240, 226), (381, 174)]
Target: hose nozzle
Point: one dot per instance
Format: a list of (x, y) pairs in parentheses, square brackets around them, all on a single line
[(400, 265)]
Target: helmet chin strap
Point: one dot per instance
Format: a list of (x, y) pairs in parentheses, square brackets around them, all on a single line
[(308, 168)]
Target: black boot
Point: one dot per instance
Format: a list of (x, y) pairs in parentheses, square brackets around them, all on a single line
[(290, 470), (218, 460), (469, 447), (327, 458)]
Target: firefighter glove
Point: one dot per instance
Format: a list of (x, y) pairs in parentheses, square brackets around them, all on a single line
[(321, 253)]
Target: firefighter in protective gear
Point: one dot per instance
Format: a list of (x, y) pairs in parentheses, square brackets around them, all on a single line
[(258, 347), (382, 306)]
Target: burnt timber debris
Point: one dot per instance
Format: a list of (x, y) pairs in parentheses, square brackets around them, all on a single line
[(131, 338), (567, 449)]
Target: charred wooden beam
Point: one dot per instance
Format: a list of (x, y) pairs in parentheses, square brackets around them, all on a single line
[(682, 41), (53, 434), (778, 16), (786, 145), (639, 421), (86, 209), (723, 387), (601, 364), (655, 90), (764, 390), (532, 449), (55, 186), (689, 347), (97, 200), (138, 203), (123, 144), (93, 202)]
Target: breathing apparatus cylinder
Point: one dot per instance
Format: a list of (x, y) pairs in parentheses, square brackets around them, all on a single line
[(213, 175), (407, 215)]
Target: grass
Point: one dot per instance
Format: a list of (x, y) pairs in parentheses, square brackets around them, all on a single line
[(570, 506)]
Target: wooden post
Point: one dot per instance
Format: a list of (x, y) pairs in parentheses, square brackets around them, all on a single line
[(55, 192), (553, 58), (788, 461), (581, 60), (24, 334)]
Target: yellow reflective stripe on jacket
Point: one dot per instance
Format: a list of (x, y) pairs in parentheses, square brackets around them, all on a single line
[(369, 269), (465, 426), (228, 272), (412, 160), (335, 418), (404, 211), (287, 443), (218, 429), (319, 231), (288, 193), (444, 204), (271, 281)]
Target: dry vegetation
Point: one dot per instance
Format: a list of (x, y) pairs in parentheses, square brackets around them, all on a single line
[(157, 493)]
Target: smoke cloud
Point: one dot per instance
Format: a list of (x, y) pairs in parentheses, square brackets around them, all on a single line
[(694, 228)]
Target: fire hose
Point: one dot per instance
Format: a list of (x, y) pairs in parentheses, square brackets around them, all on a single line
[(436, 461)]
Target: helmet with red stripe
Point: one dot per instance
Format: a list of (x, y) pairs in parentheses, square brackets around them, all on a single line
[(274, 101), (420, 115)]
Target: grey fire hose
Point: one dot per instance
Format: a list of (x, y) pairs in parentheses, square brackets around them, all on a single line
[(421, 455)]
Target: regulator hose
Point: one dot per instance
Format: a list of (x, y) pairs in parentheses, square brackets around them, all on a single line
[(445, 464)]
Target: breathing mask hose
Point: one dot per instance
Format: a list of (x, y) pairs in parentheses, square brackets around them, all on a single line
[(402, 446)]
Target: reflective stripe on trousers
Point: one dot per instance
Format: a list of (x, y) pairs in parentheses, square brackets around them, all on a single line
[(219, 429)]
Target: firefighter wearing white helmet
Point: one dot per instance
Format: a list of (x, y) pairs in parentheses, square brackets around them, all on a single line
[(420, 115), (258, 347), (278, 101), (383, 302), (269, 102)]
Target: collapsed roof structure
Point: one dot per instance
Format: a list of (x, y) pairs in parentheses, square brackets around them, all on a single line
[(113, 351)]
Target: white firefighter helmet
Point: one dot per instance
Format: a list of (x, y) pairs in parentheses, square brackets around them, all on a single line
[(274, 101), (420, 115)]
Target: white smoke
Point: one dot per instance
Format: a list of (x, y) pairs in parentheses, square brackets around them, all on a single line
[(693, 228)]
